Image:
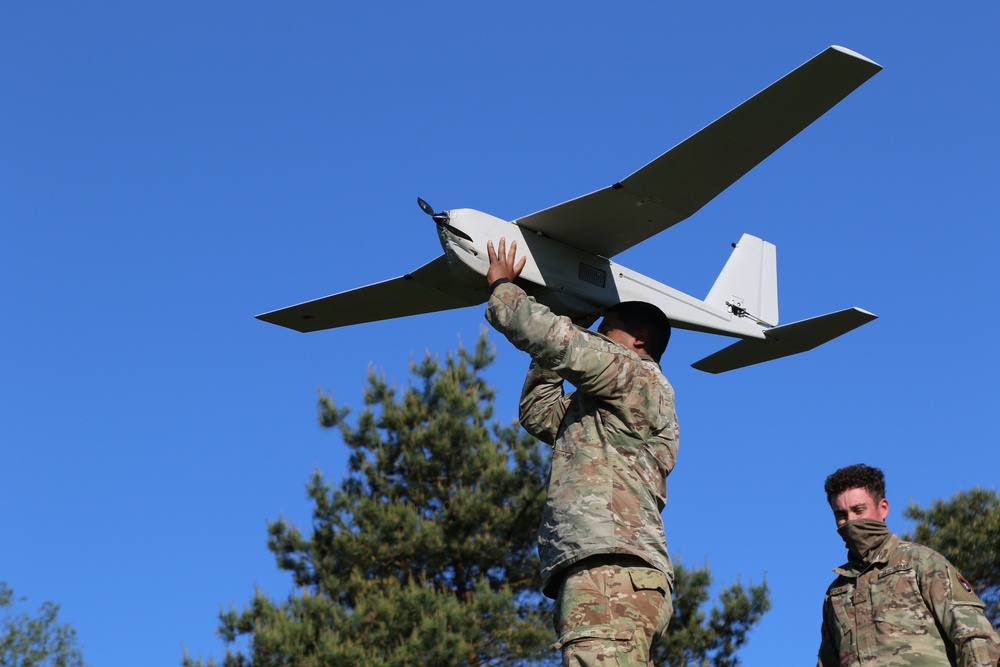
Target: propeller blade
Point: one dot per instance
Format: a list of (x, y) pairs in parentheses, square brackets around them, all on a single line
[(442, 219), (425, 207)]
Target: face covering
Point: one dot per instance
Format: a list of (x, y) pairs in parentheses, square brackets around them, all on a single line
[(863, 537)]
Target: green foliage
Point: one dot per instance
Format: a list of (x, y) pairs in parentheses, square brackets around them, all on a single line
[(692, 640), (35, 640), (966, 531), (425, 554)]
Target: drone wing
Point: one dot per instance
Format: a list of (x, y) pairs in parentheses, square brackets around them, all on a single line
[(691, 174), (785, 340), (430, 288)]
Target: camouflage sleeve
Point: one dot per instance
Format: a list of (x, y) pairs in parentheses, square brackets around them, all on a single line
[(595, 365), (958, 611), (543, 404)]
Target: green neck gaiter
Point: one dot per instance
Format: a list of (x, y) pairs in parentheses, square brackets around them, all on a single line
[(863, 537)]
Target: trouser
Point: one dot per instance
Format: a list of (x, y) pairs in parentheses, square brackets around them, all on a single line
[(610, 610)]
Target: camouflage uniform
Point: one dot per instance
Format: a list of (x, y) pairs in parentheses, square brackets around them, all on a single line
[(610, 610), (908, 607), (614, 441)]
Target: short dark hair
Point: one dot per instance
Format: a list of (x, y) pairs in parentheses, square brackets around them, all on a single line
[(636, 315), (857, 476)]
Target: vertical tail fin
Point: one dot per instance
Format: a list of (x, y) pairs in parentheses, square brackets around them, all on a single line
[(748, 284)]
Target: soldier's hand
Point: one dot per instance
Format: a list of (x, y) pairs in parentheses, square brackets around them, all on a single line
[(503, 262)]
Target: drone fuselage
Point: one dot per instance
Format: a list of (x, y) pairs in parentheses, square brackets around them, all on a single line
[(575, 283)]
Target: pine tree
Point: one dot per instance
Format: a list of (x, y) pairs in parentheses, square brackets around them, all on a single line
[(692, 640), (37, 640), (966, 531), (425, 554)]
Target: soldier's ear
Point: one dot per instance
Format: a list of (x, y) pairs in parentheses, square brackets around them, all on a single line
[(641, 336), (883, 508)]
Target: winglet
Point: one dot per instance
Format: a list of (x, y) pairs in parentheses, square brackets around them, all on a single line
[(785, 340), (855, 54)]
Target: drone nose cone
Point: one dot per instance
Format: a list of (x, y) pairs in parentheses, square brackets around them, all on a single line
[(442, 219)]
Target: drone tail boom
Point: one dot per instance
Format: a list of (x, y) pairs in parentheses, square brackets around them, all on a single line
[(785, 340)]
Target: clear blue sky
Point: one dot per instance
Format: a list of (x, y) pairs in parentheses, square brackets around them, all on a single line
[(169, 170)]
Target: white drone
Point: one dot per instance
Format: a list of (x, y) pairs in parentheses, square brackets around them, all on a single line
[(568, 246)]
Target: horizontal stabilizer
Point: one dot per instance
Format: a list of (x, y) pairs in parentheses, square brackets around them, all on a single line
[(430, 288), (785, 340)]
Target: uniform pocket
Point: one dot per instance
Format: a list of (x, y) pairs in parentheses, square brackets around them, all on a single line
[(654, 604), (897, 605), (621, 631), (842, 603), (648, 579)]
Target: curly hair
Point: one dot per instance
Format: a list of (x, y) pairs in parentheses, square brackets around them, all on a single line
[(857, 476)]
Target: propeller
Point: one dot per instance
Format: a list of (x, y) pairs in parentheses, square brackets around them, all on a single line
[(442, 219)]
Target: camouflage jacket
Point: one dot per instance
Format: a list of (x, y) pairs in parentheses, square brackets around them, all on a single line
[(908, 607), (614, 440)]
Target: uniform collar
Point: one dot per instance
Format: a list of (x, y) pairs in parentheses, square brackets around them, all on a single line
[(642, 355), (853, 568)]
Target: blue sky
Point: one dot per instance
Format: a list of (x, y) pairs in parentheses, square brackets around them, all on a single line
[(169, 170)]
